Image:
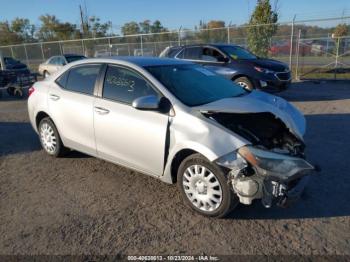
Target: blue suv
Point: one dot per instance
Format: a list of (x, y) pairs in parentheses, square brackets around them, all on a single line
[(237, 64)]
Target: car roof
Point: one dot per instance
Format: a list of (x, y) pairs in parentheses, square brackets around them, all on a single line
[(69, 55), (141, 60), (214, 45)]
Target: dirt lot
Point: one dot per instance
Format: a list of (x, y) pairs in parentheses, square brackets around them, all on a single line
[(82, 205)]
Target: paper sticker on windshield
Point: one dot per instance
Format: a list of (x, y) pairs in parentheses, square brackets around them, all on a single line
[(205, 71)]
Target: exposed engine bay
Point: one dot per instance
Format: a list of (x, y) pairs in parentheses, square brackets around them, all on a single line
[(263, 130), (268, 133)]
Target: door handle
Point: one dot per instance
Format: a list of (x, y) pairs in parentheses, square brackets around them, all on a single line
[(54, 97), (101, 110)]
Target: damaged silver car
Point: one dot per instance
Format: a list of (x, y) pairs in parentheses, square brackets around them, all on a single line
[(178, 122)]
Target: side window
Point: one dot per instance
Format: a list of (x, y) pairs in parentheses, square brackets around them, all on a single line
[(211, 55), (124, 85), (60, 61), (192, 53), (53, 60), (82, 79)]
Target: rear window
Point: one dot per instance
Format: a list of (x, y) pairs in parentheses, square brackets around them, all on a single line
[(71, 59)]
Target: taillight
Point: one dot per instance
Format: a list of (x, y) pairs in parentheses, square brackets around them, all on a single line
[(31, 90)]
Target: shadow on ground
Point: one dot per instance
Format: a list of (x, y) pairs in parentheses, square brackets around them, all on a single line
[(17, 137), (317, 91), (327, 194)]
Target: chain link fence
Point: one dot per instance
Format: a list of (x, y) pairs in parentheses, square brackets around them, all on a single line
[(307, 46)]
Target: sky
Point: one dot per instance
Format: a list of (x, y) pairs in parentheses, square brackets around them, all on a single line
[(172, 14)]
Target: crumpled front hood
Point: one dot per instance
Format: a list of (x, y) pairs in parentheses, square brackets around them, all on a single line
[(259, 102)]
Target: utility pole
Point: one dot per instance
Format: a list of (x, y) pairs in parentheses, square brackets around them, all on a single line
[(291, 43), (82, 30)]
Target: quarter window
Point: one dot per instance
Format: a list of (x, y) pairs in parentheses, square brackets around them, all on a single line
[(82, 79), (124, 85)]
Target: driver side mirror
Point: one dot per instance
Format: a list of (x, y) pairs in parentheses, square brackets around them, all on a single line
[(226, 59), (146, 103)]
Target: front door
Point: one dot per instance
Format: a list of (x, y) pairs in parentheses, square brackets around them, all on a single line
[(125, 135)]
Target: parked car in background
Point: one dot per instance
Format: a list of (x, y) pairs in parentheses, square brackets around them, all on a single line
[(179, 122), (14, 76), (143, 52), (55, 63), (236, 64)]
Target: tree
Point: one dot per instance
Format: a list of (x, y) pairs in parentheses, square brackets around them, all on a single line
[(23, 29), (157, 27), (98, 29), (7, 36), (145, 27), (341, 30), (130, 28), (212, 31), (262, 26)]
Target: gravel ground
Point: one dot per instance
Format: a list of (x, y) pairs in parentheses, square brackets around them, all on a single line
[(83, 205)]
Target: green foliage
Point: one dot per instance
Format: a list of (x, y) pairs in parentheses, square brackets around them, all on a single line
[(145, 27), (341, 30), (52, 29), (212, 32), (262, 26)]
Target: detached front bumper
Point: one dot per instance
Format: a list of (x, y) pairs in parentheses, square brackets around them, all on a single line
[(283, 194)]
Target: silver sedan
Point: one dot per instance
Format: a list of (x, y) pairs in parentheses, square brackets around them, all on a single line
[(178, 122)]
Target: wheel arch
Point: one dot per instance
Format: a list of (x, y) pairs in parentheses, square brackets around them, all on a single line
[(177, 160), (40, 116), (241, 75)]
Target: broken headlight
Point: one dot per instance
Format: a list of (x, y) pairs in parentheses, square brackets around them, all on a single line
[(274, 164)]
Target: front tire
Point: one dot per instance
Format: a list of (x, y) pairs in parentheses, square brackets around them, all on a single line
[(46, 74), (245, 83), (204, 187), (50, 139)]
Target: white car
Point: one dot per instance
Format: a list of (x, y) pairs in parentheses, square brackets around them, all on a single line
[(55, 63), (178, 122)]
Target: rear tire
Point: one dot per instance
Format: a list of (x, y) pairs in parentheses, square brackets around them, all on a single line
[(244, 82), (204, 187), (50, 139), (46, 74)]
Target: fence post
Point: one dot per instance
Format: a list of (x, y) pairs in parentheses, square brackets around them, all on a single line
[(141, 45), (110, 46), (83, 47), (25, 51), (60, 45), (291, 44), (179, 36), (336, 58), (228, 34), (297, 56), (42, 51), (12, 54)]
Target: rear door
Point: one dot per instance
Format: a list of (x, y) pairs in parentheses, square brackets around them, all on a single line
[(125, 135), (71, 106)]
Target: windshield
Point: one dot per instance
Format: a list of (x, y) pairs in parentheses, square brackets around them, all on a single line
[(71, 59), (194, 85), (236, 52)]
